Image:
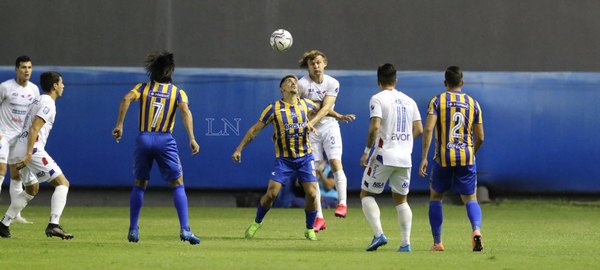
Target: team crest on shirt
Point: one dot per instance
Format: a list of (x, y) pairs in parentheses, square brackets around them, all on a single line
[(46, 110)]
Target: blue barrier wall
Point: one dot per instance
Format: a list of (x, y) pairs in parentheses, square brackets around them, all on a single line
[(540, 127)]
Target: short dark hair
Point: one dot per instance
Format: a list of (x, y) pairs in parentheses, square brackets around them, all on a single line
[(48, 79), (453, 76), (21, 59), (286, 77), (310, 55), (386, 74), (160, 66)]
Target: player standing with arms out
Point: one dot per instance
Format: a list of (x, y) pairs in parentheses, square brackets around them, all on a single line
[(455, 117), (36, 164), (293, 152), (15, 97), (159, 100), (395, 123), (323, 89)]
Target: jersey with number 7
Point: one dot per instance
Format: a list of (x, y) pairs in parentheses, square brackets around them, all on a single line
[(158, 105), (456, 112)]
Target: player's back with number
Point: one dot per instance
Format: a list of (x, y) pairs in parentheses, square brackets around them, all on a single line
[(158, 105), (397, 112), (457, 112)]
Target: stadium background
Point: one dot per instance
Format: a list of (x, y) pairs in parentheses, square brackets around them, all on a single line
[(532, 65)]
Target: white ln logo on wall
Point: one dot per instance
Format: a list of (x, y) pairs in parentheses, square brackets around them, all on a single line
[(215, 129)]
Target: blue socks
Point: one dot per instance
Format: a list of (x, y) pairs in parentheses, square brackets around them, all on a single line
[(310, 218), (474, 213), (181, 204), (436, 217), (136, 200), (260, 213)]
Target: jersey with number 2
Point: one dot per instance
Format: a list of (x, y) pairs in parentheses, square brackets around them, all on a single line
[(457, 112)]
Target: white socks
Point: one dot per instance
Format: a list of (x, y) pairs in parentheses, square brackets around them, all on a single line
[(58, 202), (371, 211), (319, 209), (16, 187), (405, 222), (341, 184), (17, 203)]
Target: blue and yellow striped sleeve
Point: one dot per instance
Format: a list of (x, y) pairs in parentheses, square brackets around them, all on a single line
[(137, 90), (267, 114), (182, 96), (310, 104), (478, 114), (433, 106)]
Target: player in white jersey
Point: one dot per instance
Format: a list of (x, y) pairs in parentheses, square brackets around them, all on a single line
[(15, 97), (35, 164), (322, 88), (395, 123)]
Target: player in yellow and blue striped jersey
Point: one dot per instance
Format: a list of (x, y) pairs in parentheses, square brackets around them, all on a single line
[(159, 99), (458, 124), (293, 153)]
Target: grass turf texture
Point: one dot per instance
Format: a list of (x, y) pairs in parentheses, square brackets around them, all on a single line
[(517, 235)]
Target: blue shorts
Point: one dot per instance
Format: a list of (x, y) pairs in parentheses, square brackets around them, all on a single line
[(462, 178), (287, 169), (161, 147)]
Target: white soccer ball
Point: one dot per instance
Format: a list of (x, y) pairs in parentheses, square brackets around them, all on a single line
[(281, 40)]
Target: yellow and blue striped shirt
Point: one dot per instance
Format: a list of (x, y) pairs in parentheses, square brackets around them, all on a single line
[(456, 112), (158, 105), (289, 123)]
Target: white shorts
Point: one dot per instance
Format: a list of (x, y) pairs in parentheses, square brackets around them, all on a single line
[(41, 168), (376, 176), (328, 142), (7, 152)]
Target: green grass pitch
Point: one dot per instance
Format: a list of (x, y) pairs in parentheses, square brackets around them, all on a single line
[(517, 235)]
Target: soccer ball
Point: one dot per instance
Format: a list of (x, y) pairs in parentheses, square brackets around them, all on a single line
[(281, 40)]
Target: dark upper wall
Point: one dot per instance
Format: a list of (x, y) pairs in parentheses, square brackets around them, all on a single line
[(515, 35)]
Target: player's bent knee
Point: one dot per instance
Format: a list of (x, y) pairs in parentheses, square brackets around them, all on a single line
[(60, 180), (32, 189), (336, 165), (177, 182)]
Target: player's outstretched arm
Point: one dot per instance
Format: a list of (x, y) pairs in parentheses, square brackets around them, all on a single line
[(326, 106), (346, 118), (248, 137), (123, 108), (188, 123)]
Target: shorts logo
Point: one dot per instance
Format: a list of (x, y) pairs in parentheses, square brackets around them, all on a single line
[(378, 185), (51, 172), (40, 174), (44, 161)]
